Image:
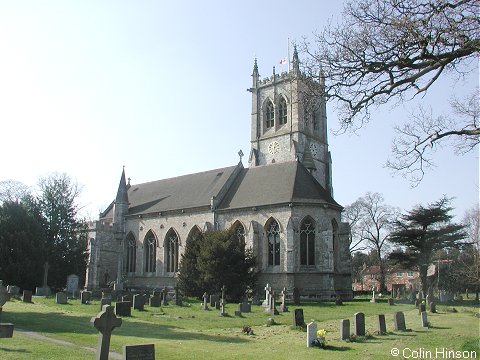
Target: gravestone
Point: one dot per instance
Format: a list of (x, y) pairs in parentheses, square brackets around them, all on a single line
[(311, 333), (424, 319), (382, 327), (344, 329), (105, 322), (213, 300), (399, 321), (72, 283), (61, 298), (433, 307), (283, 297), (155, 301), (245, 307), (338, 301), (296, 296), (222, 308), (123, 308), (178, 297), (266, 302), (373, 296), (272, 310), (6, 329), (138, 302), (205, 301), (85, 297), (13, 290), (27, 296), (297, 318), (139, 352), (390, 302), (224, 289), (359, 324), (44, 290), (165, 296), (105, 301)]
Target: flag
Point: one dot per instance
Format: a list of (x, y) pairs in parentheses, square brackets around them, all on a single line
[(283, 61)]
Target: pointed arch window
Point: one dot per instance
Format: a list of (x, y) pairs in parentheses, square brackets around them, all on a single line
[(239, 235), (150, 247), (171, 251), (307, 242), (130, 253), (282, 111), (269, 114), (273, 236)]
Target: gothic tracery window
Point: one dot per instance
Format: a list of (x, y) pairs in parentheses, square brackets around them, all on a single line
[(171, 251), (239, 234), (150, 249), (273, 235), (269, 114), (130, 253), (307, 242), (282, 111)]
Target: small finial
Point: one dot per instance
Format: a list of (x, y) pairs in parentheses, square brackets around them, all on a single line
[(240, 153), (128, 182)]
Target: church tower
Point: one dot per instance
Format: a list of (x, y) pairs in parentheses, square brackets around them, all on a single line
[(289, 122)]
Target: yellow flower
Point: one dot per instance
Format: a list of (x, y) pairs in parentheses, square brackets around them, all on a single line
[(321, 333)]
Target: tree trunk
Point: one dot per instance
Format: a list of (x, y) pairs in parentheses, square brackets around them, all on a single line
[(423, 278)]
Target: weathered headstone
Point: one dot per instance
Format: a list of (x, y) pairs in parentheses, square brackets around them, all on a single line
[(296, 296), (6, 329), (105, 322), (155, 301), (311, 333), (72, 283), (283, 299), (359, 324), (382, 327), (338, 301), (222, 308), (399, 321), (205, 301), (123, 308), (272, 310), (297, 318), (128, 297), (178, 297), (85, 297), (61, 298), (344, 329), (433, 307), (390, 301), (13, 290), (245, 307), (165, 296), (139, 352), (27, 296), (424, 319), (373, 296), (138, 302), (213, 300), (266, 302)]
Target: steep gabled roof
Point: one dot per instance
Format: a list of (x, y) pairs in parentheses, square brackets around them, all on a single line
[(178, 193), (288, 182)]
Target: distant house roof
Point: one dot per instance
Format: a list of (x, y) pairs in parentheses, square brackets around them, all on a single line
[(233, 187), (288, 182)]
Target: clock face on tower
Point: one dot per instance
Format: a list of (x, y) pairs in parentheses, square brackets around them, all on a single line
[(314, 149), (273, 147)]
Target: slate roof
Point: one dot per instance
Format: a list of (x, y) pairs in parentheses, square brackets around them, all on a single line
[(288, 182), (273, 184), (182, 192)]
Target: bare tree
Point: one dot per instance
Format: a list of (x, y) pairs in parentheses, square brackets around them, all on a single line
[(388, 51), (374, 221), (13, 191), (352, 214)]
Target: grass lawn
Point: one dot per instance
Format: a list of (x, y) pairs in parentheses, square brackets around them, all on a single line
[(189, 333)]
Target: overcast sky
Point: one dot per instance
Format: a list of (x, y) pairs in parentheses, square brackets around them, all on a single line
[(160, 87)]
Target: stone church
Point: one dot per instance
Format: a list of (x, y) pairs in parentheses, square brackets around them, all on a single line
[(281, 206)]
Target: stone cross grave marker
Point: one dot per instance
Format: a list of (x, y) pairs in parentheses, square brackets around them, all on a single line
[(139, 352), (399, 321), (266, 303), (222, 308), (359, 324), (311, 333), (373, 296), (344, 329), (272, 310), (283, 297), (105, 322), (382, 327)]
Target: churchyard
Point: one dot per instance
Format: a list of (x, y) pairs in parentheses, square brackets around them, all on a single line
[(47, 330)]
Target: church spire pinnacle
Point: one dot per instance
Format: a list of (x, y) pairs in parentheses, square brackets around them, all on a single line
[(255, 74), (295, 61), (122, 195)]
